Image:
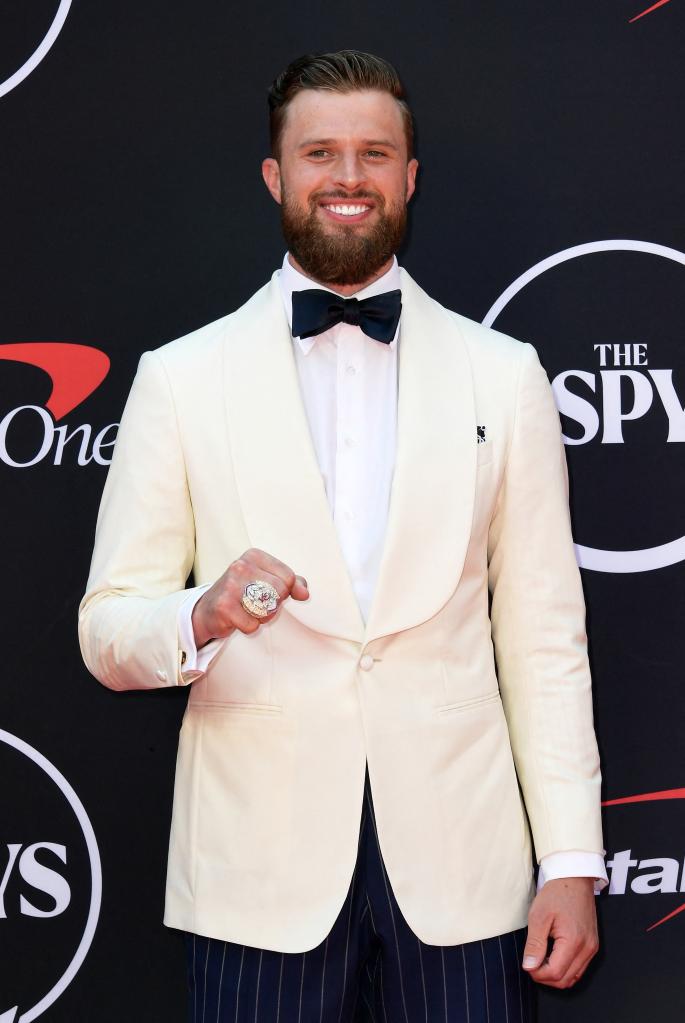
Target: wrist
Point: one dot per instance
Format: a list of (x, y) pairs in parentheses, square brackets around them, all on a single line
[(577, 883), (201, 633)]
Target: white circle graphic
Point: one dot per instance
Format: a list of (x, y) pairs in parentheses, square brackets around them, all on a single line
[(593, 557), (95, 871), (34, 60)]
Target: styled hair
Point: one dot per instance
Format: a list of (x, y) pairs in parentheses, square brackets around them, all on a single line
[(343, 71)]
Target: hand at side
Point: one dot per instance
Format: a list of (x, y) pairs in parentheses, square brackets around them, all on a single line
[(563, 911)]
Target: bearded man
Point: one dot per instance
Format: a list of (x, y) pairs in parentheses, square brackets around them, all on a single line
[(348, 470)]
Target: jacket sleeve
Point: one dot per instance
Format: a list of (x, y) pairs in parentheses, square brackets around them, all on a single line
[(144, 546), (538, 628)]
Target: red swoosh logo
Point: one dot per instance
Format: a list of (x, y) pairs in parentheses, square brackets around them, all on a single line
[(647, 797), (75, 370), (660, 3), (651, 797)]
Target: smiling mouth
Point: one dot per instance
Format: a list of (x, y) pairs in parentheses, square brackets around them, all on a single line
[(347, 209)]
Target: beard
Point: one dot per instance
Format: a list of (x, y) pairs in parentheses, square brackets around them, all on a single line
[(342, 255)]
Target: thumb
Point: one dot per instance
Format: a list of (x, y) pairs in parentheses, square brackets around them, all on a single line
[(536, 946), (300, 591)]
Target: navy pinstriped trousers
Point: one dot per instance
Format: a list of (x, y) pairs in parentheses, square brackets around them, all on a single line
[(370, 969)]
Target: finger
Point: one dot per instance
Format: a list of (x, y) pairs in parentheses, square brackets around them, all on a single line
[(244, 620), (550, 972), (535, 950), (244, 571), (266, 577), (300, 590), (254, 600), (579, 964), (296, 586), (566, 962), (574, 975)]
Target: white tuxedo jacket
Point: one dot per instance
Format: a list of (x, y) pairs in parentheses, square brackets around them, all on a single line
[(214, 456)]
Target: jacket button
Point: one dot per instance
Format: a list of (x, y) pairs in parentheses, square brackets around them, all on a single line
[(366, 662), (161, 675)]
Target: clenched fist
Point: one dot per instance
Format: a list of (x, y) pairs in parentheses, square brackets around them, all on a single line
[(219, 610)]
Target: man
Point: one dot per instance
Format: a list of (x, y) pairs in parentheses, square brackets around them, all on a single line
[(343, 538)]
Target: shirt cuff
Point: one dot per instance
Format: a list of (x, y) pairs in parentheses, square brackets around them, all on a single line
[(573, 864), (194, 662)]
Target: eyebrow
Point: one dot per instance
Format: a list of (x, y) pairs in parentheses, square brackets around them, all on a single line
[(366, 142), (315, 142), (380, 142)]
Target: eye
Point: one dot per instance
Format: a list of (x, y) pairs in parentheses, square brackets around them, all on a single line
[(317, 153), (375, 153)]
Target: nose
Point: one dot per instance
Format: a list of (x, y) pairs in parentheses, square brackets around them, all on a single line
[(349, 171)]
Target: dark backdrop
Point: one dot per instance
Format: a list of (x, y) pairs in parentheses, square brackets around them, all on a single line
[(133, 211)]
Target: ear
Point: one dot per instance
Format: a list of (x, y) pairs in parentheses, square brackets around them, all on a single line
[(412, 168), (271, 173)]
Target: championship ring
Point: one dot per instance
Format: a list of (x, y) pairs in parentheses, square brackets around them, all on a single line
[(259, 598)]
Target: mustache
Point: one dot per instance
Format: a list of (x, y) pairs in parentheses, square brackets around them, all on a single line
[(359, 193)]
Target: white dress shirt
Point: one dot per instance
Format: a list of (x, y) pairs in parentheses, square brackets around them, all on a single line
[(349, 390)]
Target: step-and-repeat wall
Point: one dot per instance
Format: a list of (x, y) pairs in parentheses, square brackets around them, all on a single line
[(551, 205)]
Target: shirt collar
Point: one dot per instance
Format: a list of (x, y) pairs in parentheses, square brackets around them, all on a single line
[(291, 280)]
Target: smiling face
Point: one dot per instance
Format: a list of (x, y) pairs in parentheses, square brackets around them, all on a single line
[(343, 181)]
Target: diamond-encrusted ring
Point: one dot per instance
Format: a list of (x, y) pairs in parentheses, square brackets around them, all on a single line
[(259, 598)]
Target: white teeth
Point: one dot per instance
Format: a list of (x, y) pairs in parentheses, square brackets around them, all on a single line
[(347, 211)]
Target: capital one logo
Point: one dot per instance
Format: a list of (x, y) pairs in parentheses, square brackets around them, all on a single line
[(29, 434), (42, 48), (607, 320), (50, 882)]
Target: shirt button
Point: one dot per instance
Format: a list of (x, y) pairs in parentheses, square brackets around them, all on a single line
[(161, 675), (349, 442), (351, 371), (366, 662)]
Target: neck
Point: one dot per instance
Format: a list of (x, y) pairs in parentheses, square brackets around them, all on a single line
[(343, 289)]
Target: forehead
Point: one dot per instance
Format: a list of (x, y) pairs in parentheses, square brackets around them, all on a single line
[(321, 114)]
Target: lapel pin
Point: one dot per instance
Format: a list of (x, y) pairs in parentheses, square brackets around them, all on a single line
[(481, 434)]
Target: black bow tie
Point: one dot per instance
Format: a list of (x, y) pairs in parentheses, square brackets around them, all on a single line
[(315, 310)]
